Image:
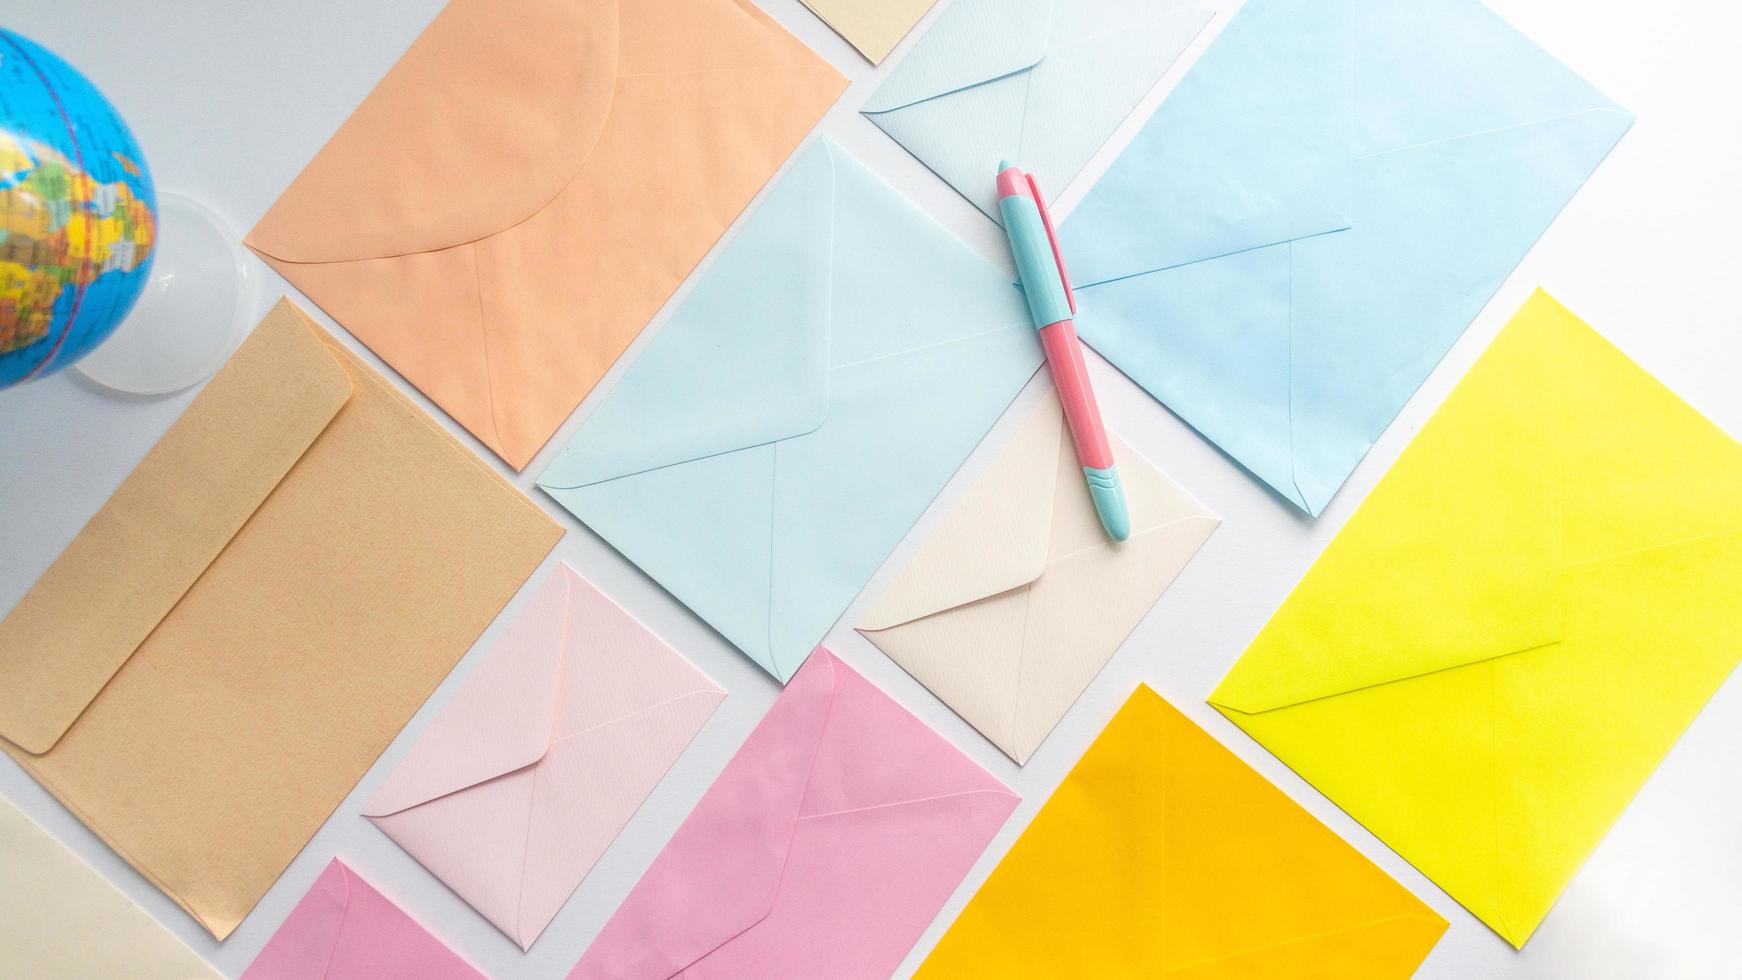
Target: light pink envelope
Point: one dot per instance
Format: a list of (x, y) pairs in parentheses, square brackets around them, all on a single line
[(345, 930), (824, 848), (548, 749)]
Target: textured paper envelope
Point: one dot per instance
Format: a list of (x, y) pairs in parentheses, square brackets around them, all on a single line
[(1490, 659), (218, 656), (1162, 855), (1018, 599), (875, 27), (531, 182), (553, 743), (60, 918), (344, 929)]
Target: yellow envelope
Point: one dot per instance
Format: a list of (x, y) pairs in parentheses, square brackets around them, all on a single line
[(1163, 855), (531, 182), (1019, 598), (60, 918), (1495, 652), (226, 647), (875, 27)]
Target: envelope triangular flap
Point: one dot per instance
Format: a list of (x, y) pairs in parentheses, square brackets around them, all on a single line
[(168, 522), (749, 348), (1267, 81), (506, 142), (970, 43)]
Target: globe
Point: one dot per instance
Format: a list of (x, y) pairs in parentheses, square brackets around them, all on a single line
[(78, 215)]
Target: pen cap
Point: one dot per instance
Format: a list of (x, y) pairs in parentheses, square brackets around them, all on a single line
[(1036, 263)]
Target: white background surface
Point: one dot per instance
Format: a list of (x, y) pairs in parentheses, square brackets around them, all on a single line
[(231, 99)]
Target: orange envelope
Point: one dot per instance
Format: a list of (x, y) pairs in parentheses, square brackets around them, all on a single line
[(529, 185), (216, 659)]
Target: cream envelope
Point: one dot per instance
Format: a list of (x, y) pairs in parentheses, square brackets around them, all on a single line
[(531, 182), (60, 918), (1019, 599), (875, 27), (528, 774)]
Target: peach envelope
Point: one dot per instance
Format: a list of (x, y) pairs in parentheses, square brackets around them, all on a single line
[(528, 774), (531, 182)]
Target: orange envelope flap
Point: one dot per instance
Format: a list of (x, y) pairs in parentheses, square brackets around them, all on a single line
[(168, 521)]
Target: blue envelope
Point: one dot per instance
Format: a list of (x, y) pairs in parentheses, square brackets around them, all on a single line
[(780, 435), (1042, 83), (1317, 212)]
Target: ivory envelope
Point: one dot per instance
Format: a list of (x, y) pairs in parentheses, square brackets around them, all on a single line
[(1493, 655), (524, 779), (1043, 83), (529, 185), (1316, 213), (344, 929), (824, 849), (1163, 855), (875, 27), (60, 918), (220, 654), (1019, 598), (777, 438)]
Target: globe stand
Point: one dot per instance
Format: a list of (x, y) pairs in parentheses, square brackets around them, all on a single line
[(189, 319)]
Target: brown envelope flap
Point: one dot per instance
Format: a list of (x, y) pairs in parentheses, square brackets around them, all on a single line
[(171, 517)]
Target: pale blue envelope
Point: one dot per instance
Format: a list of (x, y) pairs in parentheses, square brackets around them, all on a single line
[(1041, 83), (778, 437), (1317, 212)]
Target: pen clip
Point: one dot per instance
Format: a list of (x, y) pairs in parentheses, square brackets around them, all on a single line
[(1058, 255)]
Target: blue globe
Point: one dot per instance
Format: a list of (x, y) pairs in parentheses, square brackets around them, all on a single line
[(78, 215)]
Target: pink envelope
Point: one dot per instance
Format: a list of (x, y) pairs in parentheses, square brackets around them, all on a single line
[(544, 754), (824, 849), (345, 930)]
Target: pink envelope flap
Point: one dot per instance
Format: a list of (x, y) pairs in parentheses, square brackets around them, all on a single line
[(344, 929)]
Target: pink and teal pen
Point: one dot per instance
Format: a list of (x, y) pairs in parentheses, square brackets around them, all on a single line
[(1054, 307)]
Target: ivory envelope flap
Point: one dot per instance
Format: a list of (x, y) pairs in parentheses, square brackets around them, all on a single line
[(59, 917), (344, 929), (1163, 855), (780, 434), (522, 781), (531, 182), (223, 650), (1490, 659), (1043, 83), (1018, 599), (875, 27)]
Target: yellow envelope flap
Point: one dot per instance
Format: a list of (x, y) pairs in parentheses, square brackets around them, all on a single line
[(169, 520)]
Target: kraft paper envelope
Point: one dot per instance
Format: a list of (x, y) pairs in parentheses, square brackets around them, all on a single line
[(1019, 598), (1317, 212), (529, 185), (60, 918), (1043, 83), (526, 777), (226, 647), (875, 27), (823, 850), (1163, 855), (774, 442), (1491, 658), (344, 929)]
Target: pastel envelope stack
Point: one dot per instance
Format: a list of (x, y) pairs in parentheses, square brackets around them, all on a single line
[(1316, 213), (1041, 82), (1018, 599), (532, 181), (1490, 659), (774, 442), (526, 777), (824, 848)]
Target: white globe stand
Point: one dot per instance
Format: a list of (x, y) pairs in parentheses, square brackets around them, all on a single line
[(189, 319)]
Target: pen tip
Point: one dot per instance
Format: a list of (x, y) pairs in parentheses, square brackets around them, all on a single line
[(1006, 165)]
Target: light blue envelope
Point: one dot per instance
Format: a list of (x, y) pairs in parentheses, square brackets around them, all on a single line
[(774, 442), (1041, 83), (1318, 211)]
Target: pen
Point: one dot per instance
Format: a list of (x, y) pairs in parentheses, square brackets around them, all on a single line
[(1053, 308)]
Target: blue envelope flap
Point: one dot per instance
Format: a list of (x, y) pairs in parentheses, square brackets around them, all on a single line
[(972, 42), (743, 363)]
